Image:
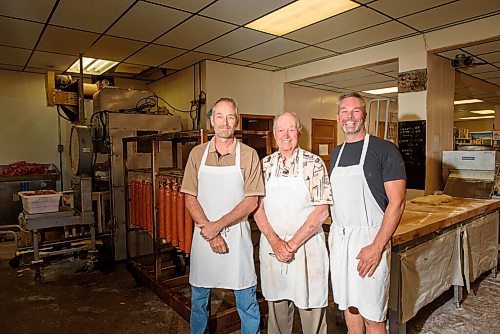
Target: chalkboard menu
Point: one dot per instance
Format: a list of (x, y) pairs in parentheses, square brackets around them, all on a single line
[(411, 142)]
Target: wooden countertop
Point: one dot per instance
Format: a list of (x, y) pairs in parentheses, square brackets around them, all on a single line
[(419, 220)]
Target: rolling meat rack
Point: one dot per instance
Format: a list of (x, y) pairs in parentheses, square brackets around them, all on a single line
[(162, 261)]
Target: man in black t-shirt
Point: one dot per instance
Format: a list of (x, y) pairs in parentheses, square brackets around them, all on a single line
[(368, 182)]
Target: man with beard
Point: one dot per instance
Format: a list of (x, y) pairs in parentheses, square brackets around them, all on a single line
[(368, 182), (222, 182)]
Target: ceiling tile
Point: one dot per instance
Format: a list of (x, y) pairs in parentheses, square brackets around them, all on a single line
[(13, 56), (51, 61), (11, 67), (19, 33), (129, 68), (483, 48), (38, 10), (398, 8), (194, 32), (235, 41), (67, 41), (342, 24), (479, 69), (297, 57), (146, 22), (366, 80), (341, 76), (375, 85), (188, 59), (190, 5), (264, 67), (234, 61), (113, 48), (89, 15), (269, 49), (450, 13), (154, 55), (35, 70), (367, 37), (392, 67), (493, 57), (488, 75), (242, 12), (451, 54)]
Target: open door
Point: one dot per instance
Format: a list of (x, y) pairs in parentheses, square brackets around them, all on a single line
[(323, 138)]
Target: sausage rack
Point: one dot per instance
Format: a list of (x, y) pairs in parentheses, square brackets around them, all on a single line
[(162, 261)]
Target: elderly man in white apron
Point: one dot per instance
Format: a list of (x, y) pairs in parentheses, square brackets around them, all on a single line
[(293, 255), (368, 184), (222, 182)]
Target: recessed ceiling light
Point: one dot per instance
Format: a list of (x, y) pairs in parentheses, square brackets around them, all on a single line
[(299, 14), (483, 112), (467, 101), (92, 66), (382, 91), (475, 117)]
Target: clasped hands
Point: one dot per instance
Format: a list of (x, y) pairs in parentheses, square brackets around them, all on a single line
[(282, 250), (210, 231)]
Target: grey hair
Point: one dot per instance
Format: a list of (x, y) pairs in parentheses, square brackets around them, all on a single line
[(294, 115), (352, 94), (226, 99)]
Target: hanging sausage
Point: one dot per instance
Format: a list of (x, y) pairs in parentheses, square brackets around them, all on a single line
[(180, 220), (132, 204), (175, 239), (161, 213), (141, 203), (168, 212), (149, 207)]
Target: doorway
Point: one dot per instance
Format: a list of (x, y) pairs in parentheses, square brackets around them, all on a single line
[(257, 123), (323, 138)]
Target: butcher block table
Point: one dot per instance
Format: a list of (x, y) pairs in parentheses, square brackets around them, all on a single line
[(436, 247)]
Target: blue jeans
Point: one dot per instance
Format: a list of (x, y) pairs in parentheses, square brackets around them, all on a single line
[(246, 304)]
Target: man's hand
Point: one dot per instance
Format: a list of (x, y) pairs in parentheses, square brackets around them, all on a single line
[(369, 259), (218, 245), (282, 251), (210, 231)]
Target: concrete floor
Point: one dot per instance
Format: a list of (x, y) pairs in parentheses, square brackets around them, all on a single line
[(71, 301)]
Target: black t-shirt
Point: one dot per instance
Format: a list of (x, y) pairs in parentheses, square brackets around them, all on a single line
[(383, 163)]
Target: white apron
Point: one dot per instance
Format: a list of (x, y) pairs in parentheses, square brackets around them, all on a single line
[(356, 220), (220, 189), (304, 280)]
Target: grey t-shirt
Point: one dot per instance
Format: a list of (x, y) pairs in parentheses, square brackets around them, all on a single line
[(383, 163)]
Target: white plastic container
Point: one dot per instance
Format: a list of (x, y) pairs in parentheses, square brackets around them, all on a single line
[(40, 203)]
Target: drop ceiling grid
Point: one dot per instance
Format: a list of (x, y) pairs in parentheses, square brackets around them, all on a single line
[(53, 61), (66, 41), (146, 22), (269, 49), (13, 56), (383, 32), (297, 57), (187, 59), (192, 6), (89, 15), (356, 19), (113, 48), (154, 55), (234, 42), (450, 13), (15, 32), (194, 32), (30, 10), (398, 8)]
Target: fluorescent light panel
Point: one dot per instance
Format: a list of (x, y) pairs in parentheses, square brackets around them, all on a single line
[(475, 117), (483, 112), (467, 101), (299, 14), (92, 66), (382, 91)]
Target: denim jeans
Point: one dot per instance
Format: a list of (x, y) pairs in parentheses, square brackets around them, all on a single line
[(246, 304)]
